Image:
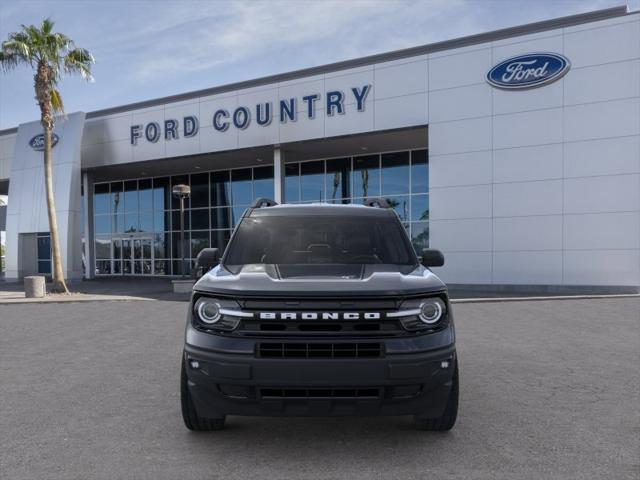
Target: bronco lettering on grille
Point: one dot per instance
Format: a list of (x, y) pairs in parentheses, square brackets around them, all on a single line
[(320, 316)]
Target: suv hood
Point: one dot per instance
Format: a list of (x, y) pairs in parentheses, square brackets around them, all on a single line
[(319, 280)]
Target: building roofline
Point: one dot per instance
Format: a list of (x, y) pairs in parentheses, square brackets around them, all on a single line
[(535, 27)]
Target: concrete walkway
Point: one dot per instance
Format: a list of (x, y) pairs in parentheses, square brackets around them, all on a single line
[(103, 289), (132, 288)]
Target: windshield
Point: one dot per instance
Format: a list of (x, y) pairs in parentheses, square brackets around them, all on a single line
[(304, 240)]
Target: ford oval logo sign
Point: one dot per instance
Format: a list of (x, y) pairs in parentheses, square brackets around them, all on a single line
[(528, 71), (37, 142)]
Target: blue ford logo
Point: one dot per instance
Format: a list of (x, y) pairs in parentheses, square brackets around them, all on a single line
[(528, 71), (37, 142)]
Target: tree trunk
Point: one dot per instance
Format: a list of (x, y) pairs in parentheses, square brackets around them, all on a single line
[(59, 284), (43, 95)]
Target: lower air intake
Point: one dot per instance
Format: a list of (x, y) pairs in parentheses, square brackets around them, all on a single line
[(320, 392), (320, 350)]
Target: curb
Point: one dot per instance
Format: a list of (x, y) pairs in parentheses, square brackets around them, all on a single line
[(72, 299), (542, 298)]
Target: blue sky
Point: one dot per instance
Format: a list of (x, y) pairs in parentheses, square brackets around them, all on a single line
[(151, 48)]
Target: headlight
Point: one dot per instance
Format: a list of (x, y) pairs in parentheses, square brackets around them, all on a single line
[(217, 314), (431, 311), (208, 311), (421, 314)]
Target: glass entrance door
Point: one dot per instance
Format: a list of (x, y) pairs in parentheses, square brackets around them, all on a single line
[(142, 261), (133, 256)]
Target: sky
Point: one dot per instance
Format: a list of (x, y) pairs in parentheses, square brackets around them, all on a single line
[(146, 49)]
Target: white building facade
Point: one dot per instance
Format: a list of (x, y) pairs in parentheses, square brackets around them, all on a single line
[(515, 152)]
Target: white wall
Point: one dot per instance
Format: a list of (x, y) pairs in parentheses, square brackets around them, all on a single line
[(27, 208), (539, 186), (7, 145)]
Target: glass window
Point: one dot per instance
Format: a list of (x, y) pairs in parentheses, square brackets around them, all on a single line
[(131, 203), (146, 221), (219, 239), (312, 181), (241, 191), (44, 247), (131, 222), (401, 205), (162, 267), (117, 198), (292, 182), (117, 249), (103, 247), (145, 195), (161, 245), (176, 251), (316, 240), (419, 171), (175, 220), (420, 236), (102, 224), (366, 176), (161, 221), (236, 213), (420, 207), (199, 240), (101, 198), (161, 194), (263, 182), (200, 190), (200, 219), (395, 173), (338, 179), (220, 218), (179, 180), (103, 267), (117, 223), (44, 267), (180, 268), (220, 189)]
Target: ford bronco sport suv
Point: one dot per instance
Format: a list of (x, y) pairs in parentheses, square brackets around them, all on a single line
[(319, 309)]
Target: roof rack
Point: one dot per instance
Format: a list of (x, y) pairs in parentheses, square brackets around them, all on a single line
[(263, 202), (376, 202)]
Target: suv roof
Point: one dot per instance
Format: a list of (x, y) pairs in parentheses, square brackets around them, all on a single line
[(320, 209)]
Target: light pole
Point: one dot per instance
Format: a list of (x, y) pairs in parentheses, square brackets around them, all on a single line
[(182, 192)]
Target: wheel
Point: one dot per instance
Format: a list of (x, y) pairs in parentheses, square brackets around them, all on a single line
[(448, 418), (191, 418)]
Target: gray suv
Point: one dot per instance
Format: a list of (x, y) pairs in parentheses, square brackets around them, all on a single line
[(319, 309)]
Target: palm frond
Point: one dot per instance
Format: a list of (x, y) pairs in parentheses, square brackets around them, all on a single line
[(56, 101), (20, 46), (8, 60), (79, 60), (47, 26)]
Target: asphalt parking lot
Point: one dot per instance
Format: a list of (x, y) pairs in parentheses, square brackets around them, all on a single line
[(549, 389)]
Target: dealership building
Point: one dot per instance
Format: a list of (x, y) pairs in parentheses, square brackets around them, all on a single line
[(515, 152)]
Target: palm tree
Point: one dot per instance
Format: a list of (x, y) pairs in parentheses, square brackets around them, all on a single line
[(50, 55)]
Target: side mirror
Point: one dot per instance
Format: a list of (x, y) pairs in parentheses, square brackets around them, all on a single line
[(206, 260), (432, 257)]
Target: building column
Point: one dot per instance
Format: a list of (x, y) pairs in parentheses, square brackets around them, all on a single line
[(87, 212), (278, 174)]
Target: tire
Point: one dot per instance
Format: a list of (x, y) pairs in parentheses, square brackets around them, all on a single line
[(191, 418), (448, 418)]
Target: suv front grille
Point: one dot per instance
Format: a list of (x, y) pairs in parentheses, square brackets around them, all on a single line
[(320, 350), (257, 327)]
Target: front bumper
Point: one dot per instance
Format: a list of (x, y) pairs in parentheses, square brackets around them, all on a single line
[(410, 379)]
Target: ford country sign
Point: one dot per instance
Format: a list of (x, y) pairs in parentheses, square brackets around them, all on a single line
[(37, 142), (528, 71)]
